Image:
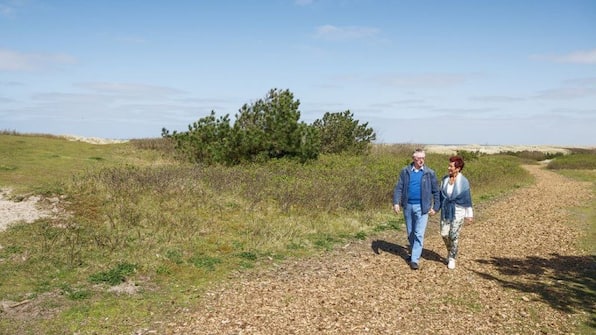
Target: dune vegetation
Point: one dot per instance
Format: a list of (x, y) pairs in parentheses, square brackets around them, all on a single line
[(141, 235)]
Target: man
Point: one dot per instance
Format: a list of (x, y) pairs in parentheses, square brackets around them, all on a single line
[(417, 195)]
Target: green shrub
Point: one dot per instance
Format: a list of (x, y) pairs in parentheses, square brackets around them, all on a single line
[(266, 129), (469, 155), (534, 155), (340, 133), (574, 161), (269, 128), (115, 275)]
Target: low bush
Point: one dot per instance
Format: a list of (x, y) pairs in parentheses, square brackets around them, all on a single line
[(534, 155)]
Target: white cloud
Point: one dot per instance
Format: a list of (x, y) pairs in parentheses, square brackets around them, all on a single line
[(18, 61), (130, 89), (567, 93), (583, 113), (577, 57), (6, 11), (583, 82), (11, 83), (9, 8), (429, 80), (497, 98), (330, 32), (580, 57)]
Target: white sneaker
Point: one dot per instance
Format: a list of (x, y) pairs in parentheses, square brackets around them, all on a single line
[(451, 264)]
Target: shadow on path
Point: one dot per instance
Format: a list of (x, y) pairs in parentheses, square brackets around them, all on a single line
[(567, 283), (402, 251)]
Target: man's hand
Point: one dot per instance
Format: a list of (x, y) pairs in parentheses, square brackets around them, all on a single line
[(396, 208), (432, 212)]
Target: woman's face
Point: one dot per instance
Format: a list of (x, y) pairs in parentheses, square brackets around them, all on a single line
[(452, 169)]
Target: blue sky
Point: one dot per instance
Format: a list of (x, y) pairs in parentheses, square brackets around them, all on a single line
[(428, 72)]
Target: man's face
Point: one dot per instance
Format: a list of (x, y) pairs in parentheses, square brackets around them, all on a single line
[(418, 161)]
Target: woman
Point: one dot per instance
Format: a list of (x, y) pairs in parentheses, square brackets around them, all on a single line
[(456, 207)]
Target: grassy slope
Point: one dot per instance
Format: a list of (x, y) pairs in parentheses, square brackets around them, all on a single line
[(41, 164)]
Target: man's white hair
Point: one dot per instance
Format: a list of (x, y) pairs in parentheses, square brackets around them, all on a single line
[(418, 153)]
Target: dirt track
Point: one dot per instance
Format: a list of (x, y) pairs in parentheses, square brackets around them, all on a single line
[(514, 273)]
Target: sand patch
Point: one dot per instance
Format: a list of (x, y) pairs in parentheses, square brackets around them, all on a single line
[(92, 140), (20, 209)]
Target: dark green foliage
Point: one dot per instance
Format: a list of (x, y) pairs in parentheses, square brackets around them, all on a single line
[(393, 224), (589, 151), (310, 143), (270, 128), (205, 262), (340, 133), (325, 242), (75, 294), (248, 255), (115, 275), (79, 295), (209, 140), (468, 155), (360, 235), (534, 155), (174, 256), (7, 168)]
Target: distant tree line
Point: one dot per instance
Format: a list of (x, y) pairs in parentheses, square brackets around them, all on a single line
[(270, 128)]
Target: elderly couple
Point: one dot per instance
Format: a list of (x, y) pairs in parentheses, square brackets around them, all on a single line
[(418, 194)]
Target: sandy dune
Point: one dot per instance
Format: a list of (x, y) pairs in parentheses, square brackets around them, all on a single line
[(494, 149)]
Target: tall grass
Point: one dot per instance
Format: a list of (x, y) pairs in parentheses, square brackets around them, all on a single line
[(174, 229), (583, 160)]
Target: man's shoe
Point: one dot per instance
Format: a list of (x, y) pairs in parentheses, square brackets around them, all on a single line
[(414, 266), (451, 263)]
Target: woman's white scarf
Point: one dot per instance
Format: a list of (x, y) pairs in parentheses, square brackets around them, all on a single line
[(460, 196)]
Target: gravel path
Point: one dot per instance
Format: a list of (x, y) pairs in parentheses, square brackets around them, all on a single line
[(517, 272)]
